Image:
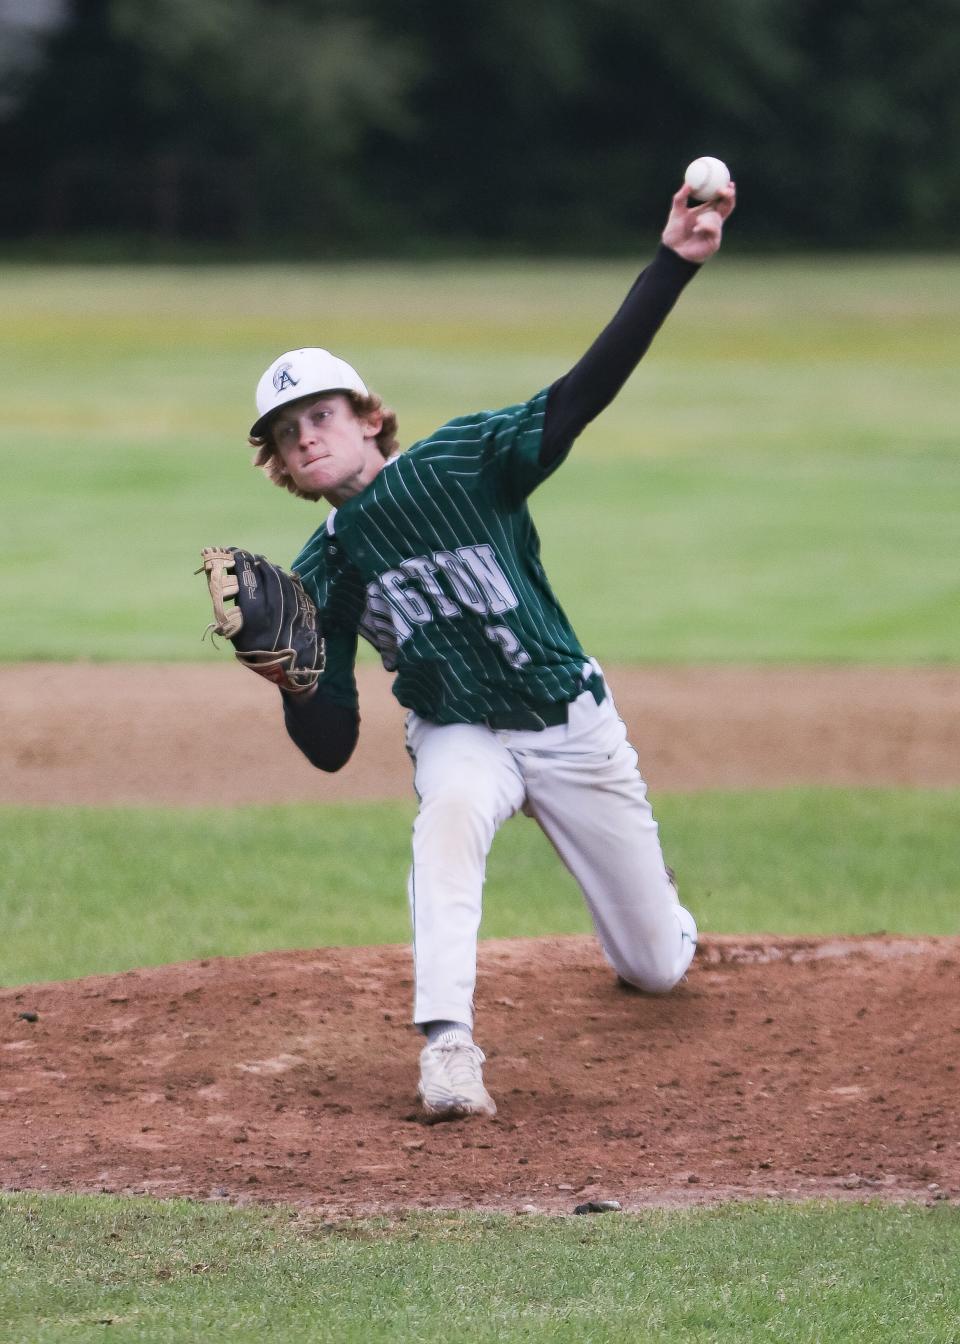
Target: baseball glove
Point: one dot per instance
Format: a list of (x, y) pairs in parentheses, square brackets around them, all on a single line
[(271, 622)]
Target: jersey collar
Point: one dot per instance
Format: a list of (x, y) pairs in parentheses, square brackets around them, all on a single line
[(330, 524)]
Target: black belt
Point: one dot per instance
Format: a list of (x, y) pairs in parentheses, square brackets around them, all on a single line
[(534, 718)]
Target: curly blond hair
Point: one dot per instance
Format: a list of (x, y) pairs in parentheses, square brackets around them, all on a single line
[(267, 458)]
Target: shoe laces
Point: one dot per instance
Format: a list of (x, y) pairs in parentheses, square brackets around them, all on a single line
[(461, 1059)]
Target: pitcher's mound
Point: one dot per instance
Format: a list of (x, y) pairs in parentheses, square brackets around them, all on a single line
[(791, 1067)]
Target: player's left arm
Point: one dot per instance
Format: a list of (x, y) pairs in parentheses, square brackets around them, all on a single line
[(325, 732), (690, 236), (324, 723)]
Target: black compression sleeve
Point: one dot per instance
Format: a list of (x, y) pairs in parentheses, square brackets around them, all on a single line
[(597, 377), (324, 731)]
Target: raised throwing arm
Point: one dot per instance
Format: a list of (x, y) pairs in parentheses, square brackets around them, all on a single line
[(690, 236)]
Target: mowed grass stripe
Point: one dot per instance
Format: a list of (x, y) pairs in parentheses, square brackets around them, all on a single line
[(99, 890), (76, 1267)]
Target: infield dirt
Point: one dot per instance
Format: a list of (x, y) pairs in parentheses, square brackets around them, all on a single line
[(209, 734), (788, 1067)]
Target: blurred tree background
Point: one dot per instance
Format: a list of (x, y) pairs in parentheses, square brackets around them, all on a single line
[(332, 128)]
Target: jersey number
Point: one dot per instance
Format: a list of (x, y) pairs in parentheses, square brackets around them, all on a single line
[(509, 644)]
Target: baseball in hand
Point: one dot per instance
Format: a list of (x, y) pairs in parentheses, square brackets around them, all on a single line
[(705, 177)]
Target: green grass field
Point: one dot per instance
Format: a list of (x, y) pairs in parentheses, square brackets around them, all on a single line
[(106, 889), (779, 481), (83, 1270)]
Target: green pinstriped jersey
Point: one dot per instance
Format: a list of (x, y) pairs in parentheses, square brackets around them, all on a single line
[(437, 564)]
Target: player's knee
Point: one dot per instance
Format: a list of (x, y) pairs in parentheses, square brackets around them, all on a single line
[(657, 972), (650, 980)]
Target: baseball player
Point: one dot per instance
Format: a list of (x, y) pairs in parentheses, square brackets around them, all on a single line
[(431, 555)]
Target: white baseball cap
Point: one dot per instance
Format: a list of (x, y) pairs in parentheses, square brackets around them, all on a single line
[(302, 373)]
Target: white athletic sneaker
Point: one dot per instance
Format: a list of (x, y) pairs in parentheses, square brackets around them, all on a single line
[(451, 1081)]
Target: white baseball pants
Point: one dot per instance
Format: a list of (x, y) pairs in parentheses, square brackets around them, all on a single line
[(580, 782)]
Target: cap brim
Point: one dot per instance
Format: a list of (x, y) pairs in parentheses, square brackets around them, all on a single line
[(258, 430)]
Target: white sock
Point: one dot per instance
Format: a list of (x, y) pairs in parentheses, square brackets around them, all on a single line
[(446, 1032)]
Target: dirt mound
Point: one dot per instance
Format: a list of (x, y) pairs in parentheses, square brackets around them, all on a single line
[(148, 733), (793, 1067)]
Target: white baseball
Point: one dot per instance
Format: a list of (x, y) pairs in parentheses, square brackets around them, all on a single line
[(705, 177)]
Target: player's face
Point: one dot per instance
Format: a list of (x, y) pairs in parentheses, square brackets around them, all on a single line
[(326, 447)]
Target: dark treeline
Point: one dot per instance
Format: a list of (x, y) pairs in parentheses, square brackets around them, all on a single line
[(339, 127)]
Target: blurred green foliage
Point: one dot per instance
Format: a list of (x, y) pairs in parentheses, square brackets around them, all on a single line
[(328, 127)]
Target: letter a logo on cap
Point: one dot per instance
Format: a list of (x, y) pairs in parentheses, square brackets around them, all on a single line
[(317, 371), (283, 378)]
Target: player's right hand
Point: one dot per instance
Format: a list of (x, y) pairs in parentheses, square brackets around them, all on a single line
[(695, 233)]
